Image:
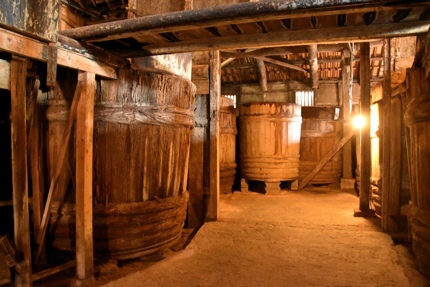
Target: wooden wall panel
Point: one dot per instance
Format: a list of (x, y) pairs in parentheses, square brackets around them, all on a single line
[(37, 17)]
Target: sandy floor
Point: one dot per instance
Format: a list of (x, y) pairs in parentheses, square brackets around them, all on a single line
[(306, 238)]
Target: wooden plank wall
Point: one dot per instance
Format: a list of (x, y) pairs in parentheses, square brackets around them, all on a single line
[(36, 17)]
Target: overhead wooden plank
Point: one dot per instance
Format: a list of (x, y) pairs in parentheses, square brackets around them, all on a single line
[(280, 63), (226, 15), (365, 166), (214, 111), (290, 38), (326, 159), (84, 177), (20, 45), (19, 168), (4, 74)]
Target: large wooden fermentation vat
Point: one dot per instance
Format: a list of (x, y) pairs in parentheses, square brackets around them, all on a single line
[(320, 132), (270, 143), (417, 118), (141, 150), (227, 145)]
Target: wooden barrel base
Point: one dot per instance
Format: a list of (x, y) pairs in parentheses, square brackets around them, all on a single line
[(124, 230), (419, 221), (227, 173), (273, 188)]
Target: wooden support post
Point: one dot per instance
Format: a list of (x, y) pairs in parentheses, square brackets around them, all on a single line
[(84, 179), (18, 74), (262, 75), (195, 177), (214, 111), (387, 223), (51, 73), (4, 74), (313, 64), (365, 130), (346, 112)]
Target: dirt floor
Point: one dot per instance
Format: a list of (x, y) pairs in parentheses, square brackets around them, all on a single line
[(306, 238)]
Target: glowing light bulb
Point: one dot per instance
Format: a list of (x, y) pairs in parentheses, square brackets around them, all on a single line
[(358, 122)]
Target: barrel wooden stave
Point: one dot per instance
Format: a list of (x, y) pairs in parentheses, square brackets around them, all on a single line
[(269, 141), (141, 148), (318, 135)]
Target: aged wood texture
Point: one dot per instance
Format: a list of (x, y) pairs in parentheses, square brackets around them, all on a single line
[(387, 223), (59, 133), (84, 176), (278, 39), (326, 159), (313, 63), (262, 75), (37, 17), (270, 141), (319, 133), (36, 158), (18, 44), (19, 168), (418, 119), (214, 135), (195, 178), (346, 114), (223, 15), (365, 130), (4, 74), (53, 270), (141, 149), (227, 145)]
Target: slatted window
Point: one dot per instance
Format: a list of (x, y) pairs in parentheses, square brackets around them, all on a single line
[(233, 97), (305, 98)]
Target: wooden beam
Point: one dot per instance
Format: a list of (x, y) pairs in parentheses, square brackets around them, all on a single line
[(214, 111), (278, 39), (313, 63), (346, 112), (262, 75), (4, 74), (84, 179), (387, 223), (27, 47), (21, 216), (326, 159), (365, 167), (280, 63), (226, 15), (53, 270)]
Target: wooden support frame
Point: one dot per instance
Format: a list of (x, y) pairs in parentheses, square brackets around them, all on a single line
[(262, 75), (18, 74), (313, 64), (346, 112), (84, 179), (387, 223), (27, 47), (365, 146), (214, 111), (4, 74)]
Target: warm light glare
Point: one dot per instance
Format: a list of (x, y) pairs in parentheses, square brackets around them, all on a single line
[(358, 122)]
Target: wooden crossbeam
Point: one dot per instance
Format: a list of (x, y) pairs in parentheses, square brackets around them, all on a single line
[(280, 63), (326, 159), (27, 47)]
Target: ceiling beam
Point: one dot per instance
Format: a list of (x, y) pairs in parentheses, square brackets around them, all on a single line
[(280, 63), (290, 38), (230, 14)]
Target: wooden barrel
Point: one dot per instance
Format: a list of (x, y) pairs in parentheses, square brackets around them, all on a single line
[(319, 134), (269, 135), (417, 117), (141, 150), (227, 145)]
